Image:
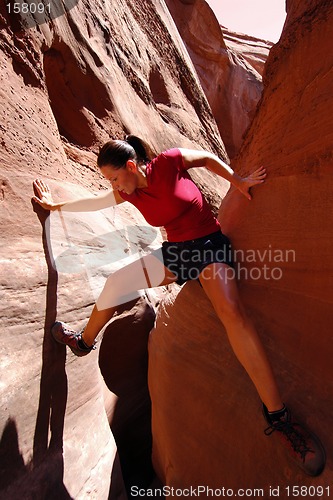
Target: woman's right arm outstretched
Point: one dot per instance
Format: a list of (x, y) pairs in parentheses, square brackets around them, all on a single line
[(89, 204)]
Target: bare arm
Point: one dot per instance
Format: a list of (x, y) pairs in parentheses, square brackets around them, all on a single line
[(193, 158), (88, 204)]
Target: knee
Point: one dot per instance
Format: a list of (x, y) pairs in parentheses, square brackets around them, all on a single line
[(109, 286), (107, 297), (230, 311), (115, 293), (113, 284)]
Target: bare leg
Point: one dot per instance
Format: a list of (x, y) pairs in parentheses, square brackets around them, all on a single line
[(121, 287), (222, 291)]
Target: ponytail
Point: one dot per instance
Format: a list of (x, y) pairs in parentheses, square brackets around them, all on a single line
[(144, 153), (117, 153)]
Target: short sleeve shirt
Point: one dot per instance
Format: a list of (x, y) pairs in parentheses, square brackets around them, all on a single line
[(172, 200)]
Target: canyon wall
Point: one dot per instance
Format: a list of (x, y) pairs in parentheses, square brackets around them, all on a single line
[(228, 64), (200, 393), (67, 85)]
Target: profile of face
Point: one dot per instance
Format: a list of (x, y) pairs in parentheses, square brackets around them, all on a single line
[(125, 179)]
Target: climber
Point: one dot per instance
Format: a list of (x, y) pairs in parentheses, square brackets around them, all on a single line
[(162, 190)]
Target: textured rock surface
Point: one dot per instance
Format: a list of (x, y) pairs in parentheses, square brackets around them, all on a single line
[(66, 86), (201, 392), (229, 67), (254, 50), (123, 361)]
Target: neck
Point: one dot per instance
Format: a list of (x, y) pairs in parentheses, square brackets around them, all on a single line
[(142, 177)]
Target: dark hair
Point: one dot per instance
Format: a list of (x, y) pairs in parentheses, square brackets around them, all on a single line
[(117, 153)]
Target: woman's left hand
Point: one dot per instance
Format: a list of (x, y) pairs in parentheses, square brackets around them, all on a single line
[(257, 177)]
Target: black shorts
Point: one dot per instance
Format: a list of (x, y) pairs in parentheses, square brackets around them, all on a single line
[(187, 259)]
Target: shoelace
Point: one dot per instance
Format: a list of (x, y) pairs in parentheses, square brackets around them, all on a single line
[(73, 333), (296, 439), (78, 336)]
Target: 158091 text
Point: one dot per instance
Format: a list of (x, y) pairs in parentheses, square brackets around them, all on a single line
[(28, 8)]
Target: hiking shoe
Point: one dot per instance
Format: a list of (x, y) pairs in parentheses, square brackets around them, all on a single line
[(305, 448), (63, 334)]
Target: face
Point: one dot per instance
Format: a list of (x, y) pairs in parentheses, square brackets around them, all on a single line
[(122, 179)]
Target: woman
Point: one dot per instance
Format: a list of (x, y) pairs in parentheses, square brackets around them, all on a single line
[(163, 191)]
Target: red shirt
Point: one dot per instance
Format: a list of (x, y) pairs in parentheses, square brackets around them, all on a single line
[(172, 200)]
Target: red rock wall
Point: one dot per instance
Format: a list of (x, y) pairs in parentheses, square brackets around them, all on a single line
[(104, 69), (199, 392), (229, 66), (254, 50)]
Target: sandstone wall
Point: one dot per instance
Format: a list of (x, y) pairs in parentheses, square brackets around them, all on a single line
[(199, 392), (101, 70), (229, 66)]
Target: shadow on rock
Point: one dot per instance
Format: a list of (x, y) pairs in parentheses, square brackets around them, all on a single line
[(42, 477), (123, 361), (53, 390)]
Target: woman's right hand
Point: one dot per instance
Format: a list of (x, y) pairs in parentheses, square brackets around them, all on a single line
[(44, 196)]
